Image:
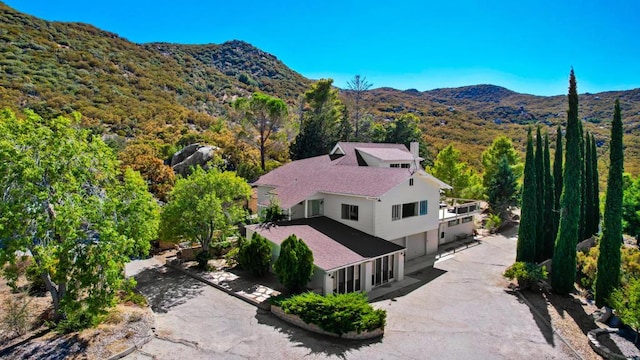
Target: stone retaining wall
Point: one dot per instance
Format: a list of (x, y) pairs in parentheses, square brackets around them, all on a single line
[(599, 348), (297, 321)]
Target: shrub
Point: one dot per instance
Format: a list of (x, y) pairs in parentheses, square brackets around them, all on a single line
[(36, 284), (294, 266), (203, 259), (587, 263), (626, 302), (16, 316), (256, 255), (493, 223), (527, 274), (339, 313)]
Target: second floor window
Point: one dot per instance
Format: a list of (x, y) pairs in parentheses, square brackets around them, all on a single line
[(395, 212), (350, 212)]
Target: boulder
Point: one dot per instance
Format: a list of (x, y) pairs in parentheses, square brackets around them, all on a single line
[(191, 156)]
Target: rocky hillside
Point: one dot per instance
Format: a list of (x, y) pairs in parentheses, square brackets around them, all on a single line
[(162, 91)]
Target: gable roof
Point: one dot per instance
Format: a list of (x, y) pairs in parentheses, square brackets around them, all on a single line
[(350, 157), (387, 154), (334, 245), (297, 180)]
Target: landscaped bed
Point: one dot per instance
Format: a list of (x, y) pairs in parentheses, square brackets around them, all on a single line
[(344, 315)]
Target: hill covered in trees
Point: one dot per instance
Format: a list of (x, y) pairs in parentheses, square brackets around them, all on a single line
[(168, 94)]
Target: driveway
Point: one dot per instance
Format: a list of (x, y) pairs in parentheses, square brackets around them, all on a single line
[(458, 310)]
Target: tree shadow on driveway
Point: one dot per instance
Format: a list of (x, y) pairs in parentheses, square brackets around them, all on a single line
[(538, 308), (165, 288), (317, 344)]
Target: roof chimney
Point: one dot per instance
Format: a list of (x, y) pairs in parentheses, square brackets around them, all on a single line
[(413, 148)]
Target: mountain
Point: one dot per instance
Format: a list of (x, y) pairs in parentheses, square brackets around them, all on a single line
[(162, 92)]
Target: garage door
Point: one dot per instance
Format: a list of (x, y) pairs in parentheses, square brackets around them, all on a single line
[(416, 246)]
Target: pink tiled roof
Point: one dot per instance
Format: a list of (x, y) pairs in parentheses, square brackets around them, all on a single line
[(349, 149), (388, 154), (327, 253), (297, 180)]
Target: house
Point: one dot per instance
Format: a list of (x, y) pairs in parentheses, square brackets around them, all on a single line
[(364, 210)]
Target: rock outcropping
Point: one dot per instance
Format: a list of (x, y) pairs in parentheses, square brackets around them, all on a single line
[(191, 156)]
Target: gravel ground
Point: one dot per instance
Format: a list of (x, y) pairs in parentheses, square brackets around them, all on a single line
[(624, 343)]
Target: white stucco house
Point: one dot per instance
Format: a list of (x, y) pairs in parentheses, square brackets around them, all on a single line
[(364, 210)]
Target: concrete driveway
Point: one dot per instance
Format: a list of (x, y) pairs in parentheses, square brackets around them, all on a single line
[(458, 310)]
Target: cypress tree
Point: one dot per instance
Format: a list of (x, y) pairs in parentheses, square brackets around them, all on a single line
[(549, 202), (526, 246), (564, 252), (596, 186), (539, 161), (608, 275), (582, 227), (557, 179), (588, 190)]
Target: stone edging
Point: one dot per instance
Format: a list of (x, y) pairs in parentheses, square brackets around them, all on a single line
[(297, 321), (599, 348)]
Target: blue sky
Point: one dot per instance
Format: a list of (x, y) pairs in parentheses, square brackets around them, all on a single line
[(526, 46)]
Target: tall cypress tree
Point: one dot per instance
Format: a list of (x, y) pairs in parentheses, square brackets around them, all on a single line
[(539, 161), (557, 179), (564, 252), (588, 190), (526, 246), (608, 275), (596, 186), (549, 203), (581, 226)]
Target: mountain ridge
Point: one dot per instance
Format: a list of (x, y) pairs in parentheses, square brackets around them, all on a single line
[(162, 91)]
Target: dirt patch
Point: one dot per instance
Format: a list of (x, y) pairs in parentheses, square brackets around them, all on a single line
[(124, 326)]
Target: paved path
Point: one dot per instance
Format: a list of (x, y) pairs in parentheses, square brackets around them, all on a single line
[(458, 310)]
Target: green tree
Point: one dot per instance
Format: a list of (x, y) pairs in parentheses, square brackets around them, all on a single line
[(405, 130), (204, 206), (595, 182), (539, 161), (503, 190), (451, 170), (557, 179), (294, 265), (62, 202), (265, 114), (255, 256), (501, 146), (582, 227), (549, 204), (626, 302), (526, 246), (608, 276), (631, 205), (358, 86), (319, 128), (564, 252), (588, 190)]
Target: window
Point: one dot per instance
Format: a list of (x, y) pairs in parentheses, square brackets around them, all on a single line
[(442, 235), (382, 270), (404, 166), (409, 210), (467, 219), (316, 207), (454, 222), (411, 182), (423, 207), (395, 212), (346, 280), (394, 165), (350, 212)]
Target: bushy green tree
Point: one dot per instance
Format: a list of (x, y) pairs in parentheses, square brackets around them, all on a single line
[(631, 205), (503, 190), (204, 206), (265, 115), (564, 252), (549, 205), (501, 146), (294, 265), (63, 202), (320, 123), (526, 246), (608, 276), (626, 302), (452, 171), (255, 255)]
